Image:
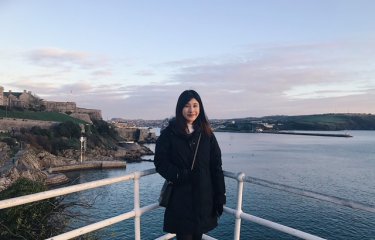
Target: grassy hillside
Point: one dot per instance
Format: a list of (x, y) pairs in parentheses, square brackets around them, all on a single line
[(320, 122), (42, 116), (329, 122)]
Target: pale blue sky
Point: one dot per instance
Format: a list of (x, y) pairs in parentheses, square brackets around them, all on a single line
[(132, 59)]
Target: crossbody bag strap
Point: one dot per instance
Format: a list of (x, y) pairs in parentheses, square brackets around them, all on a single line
[(196, 150)]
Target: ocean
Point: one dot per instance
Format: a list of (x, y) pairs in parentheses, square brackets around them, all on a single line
[(341, 167)]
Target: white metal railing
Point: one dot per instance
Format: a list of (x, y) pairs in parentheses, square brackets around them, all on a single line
[(239, 214), (137, 212)]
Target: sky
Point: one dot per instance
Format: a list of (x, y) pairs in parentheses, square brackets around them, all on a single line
[(132, 59)]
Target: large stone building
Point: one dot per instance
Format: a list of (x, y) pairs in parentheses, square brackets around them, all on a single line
[(27, 100), (17, 99), (66, 107)]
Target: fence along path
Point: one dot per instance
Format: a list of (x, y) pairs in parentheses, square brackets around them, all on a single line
[(137, 212)]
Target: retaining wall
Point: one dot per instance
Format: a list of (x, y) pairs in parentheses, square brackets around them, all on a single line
[(7, 124)]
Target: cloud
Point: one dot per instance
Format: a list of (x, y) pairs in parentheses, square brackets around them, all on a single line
[(284, 68), (258, 81), (302, 79), (326, 90), (145, 73), (59, 67), (102, 73), (56, 57)]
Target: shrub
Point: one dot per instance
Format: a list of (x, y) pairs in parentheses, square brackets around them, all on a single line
[(59, 144), (36, 130), (105, 129), (67, 129), (29, 221)]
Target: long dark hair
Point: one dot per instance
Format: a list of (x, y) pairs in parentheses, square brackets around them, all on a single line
[(200, 122)]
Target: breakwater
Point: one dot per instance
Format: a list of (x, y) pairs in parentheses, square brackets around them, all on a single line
[(312, 134), (56, 177), (88, 165)]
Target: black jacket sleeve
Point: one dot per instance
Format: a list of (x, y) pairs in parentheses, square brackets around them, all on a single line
[(217, 174), (163, 162)]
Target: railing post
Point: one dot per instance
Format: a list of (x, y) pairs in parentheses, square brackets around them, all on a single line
[(137, 218), (237, 227)]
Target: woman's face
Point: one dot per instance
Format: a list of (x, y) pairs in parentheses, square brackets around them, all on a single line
[(191, 111)]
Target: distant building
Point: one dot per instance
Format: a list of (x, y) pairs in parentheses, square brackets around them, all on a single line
[(136, 134), (65, 107), (95, 114), (71, 107), (268, 125), (17, 99), (27, 100)]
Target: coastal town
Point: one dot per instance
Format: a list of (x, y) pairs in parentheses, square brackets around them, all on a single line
[(75, 135), (40, 139), (34, 147), (43, 142), (39, 150)]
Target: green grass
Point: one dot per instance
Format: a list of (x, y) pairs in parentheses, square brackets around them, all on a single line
[(325, 118), (42, 116)]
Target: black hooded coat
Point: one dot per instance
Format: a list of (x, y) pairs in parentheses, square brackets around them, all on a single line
[(198, 193)]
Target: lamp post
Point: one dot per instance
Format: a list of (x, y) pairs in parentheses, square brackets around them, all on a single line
[(83, 147), (81, 140)]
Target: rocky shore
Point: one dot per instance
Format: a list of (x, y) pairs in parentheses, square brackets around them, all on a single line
[(36, 164)]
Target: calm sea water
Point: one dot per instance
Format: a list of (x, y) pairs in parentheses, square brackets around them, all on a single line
[(342, 167)]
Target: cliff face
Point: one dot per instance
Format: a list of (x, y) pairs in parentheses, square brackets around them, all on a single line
[(31, 163), (4, 152), (39, 159), (34, 163)]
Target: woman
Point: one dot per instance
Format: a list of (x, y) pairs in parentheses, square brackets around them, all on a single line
[(199, 194)]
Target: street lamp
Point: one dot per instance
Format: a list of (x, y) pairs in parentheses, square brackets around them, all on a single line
[(83, 147)]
